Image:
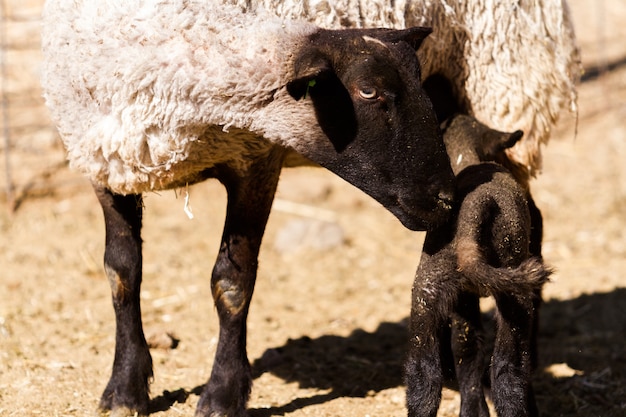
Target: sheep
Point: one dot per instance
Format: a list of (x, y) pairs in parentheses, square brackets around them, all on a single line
[(161, 94), (512, 64), (483, 250), (441, 93)]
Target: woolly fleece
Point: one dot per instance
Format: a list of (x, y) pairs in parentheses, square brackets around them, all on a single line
[(148, 93), (514, 64)]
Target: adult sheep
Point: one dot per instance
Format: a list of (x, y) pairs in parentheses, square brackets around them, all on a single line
[(513, 64), (158, 94)]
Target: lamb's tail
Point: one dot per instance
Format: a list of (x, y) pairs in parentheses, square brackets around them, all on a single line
[(523, 280)]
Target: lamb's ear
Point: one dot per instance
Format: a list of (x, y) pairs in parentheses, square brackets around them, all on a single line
[(307, 69), (414, 36), (496, 142), (510, 139)]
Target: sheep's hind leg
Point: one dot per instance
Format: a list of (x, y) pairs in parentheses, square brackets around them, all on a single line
[(234, 275), (469, 358), (127, 390), (511, 365)]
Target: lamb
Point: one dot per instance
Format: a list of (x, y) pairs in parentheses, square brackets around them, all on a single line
[(512, 64), (161, 94), (483, 250)]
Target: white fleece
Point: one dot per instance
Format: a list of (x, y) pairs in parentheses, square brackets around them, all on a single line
[(514, 62), (138, 88)]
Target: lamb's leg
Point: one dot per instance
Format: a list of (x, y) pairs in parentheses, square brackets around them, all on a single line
[(536, 227), (511, 365), (433, 298), (536, 240), (249, 202), (469, 356), (127, 390)]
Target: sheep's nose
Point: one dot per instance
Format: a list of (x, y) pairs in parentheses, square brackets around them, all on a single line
[(445, 199)]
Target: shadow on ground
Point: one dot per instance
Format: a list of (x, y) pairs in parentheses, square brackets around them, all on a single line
[(587, 334)]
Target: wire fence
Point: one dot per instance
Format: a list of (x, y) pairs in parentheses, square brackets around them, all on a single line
[(29, 147)]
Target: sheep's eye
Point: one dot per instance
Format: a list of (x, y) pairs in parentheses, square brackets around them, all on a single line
[(368, 93)]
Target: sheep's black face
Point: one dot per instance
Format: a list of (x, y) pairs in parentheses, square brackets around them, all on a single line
[(384, 134)]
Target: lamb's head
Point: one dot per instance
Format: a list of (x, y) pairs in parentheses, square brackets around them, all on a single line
[(469, 142), (381, 132)]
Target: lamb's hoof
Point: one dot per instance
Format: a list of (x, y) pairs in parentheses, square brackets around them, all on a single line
[(205, 413), (200, 414), (119, 412)]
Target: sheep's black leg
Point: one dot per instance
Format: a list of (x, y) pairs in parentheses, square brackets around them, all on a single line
[(511, 365), (249, 202), (127, 390), (468, 354), (433, 297)]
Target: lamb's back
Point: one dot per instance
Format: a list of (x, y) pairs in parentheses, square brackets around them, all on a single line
[(494, 213)]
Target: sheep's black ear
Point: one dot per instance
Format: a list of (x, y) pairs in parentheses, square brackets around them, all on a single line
[(413, 36), (316, 79), (307, 69)]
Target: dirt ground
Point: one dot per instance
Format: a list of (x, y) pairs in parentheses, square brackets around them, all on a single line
[(327, 326)]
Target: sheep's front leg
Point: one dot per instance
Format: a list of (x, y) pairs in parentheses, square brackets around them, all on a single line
[(511, 365), (234, 275), (127, 390), (469, 358)]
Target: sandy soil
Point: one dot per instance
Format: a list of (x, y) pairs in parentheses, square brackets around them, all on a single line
[(327, 325)]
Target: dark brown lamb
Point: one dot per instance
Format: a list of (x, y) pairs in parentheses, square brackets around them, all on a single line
[(484, 250)]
